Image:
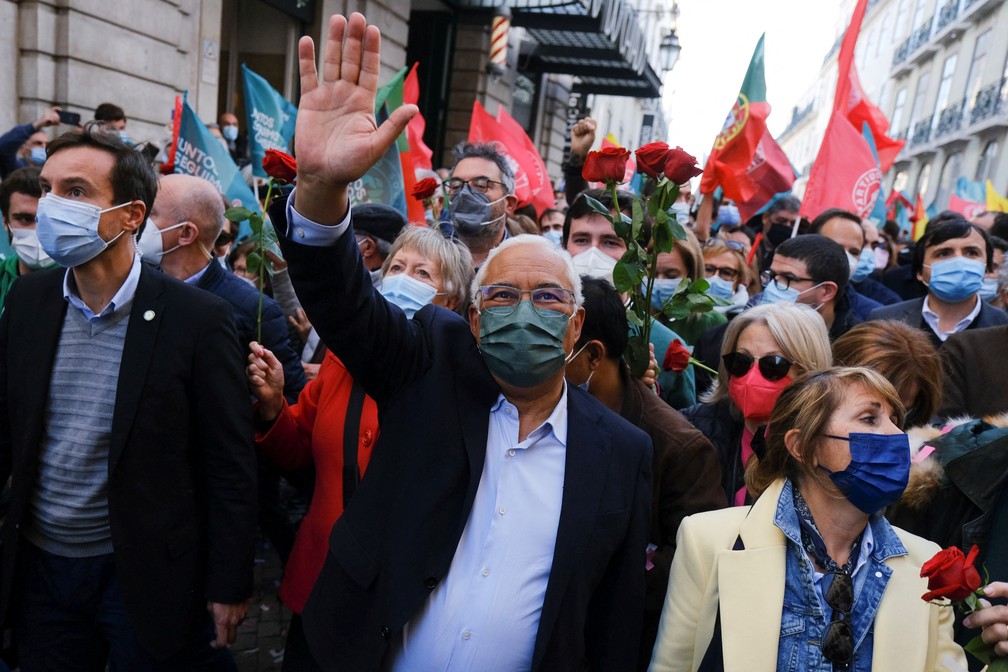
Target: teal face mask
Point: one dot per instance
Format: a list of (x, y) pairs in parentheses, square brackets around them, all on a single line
[(522, 347)]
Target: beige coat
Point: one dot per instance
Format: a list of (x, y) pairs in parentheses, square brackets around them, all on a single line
[(910, 634)]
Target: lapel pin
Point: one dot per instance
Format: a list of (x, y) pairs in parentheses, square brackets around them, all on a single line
[(148, 315)]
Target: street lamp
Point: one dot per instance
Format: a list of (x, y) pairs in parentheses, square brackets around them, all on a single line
[(669, 50)]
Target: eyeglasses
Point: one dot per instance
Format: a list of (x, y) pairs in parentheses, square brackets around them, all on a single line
[(480, 183), (838, 640), (547, 301), (783, 281), (773, 367), (725, 272)]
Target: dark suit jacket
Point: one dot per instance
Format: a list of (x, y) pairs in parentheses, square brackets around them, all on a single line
[(181, 491), (910, 313), (396, 539), (974, 381)]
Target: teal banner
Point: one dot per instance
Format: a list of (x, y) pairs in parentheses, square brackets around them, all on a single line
[(201, 154), (270, 119)]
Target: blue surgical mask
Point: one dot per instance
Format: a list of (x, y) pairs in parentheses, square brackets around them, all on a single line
[(681, 212), (38, 155), (721, 288), (124, 136), (406, 292), (956, 279), (988, 288), (230, 132), (865, 265), (68, 230), (662, 291), (554, 236), (582, 386), (878, 471), (790, 295)]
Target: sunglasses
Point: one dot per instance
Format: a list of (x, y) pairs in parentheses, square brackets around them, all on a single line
[(838, 640), (773, 367)]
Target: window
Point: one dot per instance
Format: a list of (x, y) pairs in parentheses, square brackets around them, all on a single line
[(944, 88), (985, 166), (901, 16), (976, 72), (923, 180), (897, 113), (901, 181), (918, 17), (886, 24), (918, 102), (950, 173)]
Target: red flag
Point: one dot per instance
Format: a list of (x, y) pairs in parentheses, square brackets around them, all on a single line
[(484, 128), (862, 111), (968, 209), (169, 166), (844, 174), (770, 171), (531, 163), (919, 219), (419, 151), (735, 146)]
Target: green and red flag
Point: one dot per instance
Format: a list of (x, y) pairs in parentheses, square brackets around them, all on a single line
[(735, 147)]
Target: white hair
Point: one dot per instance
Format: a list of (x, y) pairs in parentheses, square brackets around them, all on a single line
[(543, 244)]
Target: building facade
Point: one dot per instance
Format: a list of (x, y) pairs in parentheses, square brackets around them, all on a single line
[(937, 69), (565, 59)]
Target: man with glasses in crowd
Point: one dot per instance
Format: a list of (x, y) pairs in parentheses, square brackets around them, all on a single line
[(478, 540), (480, 198)]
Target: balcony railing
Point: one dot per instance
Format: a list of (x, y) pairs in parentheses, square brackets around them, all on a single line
[(916, 40), (989, 102), (922, 131), (950, 119), (947, 14), (901, 134)]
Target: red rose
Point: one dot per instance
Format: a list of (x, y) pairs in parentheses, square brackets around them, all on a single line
[(951, 575), (677, 357), (425, 188), (280, 166), (680, 166), (651, 158), (605, 165)]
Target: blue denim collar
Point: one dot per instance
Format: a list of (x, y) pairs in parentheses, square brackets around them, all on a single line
[(885, 545)]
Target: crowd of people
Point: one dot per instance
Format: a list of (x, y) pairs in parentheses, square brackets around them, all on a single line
[(487, 487)]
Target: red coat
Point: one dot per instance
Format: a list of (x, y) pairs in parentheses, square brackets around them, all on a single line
[(296, 440)]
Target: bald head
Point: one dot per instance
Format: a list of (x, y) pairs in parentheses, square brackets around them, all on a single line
[(185, 198)]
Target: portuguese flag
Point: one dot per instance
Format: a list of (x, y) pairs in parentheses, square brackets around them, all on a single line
[(736, 145)]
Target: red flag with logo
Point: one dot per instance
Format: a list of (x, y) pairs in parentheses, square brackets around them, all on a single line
[(845, 173), (484, 128), (968, 209), (524, 151)]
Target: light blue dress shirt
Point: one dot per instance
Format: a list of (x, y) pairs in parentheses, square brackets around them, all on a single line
[(122, 297)]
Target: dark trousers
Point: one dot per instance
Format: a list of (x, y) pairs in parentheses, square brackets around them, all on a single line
[(72, 617), (297, 657)]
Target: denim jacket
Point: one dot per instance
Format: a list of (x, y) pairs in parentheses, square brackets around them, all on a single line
[(803, 619)]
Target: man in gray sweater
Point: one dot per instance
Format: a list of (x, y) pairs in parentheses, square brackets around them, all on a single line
[(126, 430)]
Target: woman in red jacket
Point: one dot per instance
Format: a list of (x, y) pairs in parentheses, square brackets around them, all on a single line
[(334, 425)]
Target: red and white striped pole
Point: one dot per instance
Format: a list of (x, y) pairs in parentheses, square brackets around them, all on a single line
[(499, 42)]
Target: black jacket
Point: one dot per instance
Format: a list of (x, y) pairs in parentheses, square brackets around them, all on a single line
[(724, 429)]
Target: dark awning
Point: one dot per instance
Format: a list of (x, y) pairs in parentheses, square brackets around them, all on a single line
[(599, 41)]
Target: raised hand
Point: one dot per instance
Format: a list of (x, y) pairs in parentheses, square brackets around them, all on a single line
[(582, 136), (337, 139)]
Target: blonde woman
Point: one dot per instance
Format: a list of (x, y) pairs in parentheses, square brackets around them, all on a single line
[(764, 349), (811, 577)]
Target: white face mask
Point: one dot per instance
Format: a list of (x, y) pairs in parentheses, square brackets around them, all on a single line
[(29, 250), (151, 243), (594, 263)]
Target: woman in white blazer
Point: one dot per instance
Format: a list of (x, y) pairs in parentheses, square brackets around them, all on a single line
[(811, 577)]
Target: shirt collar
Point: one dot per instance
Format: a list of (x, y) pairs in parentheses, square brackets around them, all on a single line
[(121, 298), (932, 318), (195, 277), (555, 423)]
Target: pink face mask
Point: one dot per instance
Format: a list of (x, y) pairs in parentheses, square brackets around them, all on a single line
[(754, 395)]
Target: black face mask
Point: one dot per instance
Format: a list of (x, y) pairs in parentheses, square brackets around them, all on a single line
[(778, 233)]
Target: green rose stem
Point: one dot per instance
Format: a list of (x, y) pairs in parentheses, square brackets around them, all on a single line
[(261, 248)]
